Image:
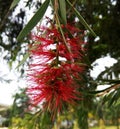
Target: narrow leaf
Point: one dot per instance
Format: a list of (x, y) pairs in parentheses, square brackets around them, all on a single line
[(62, 10), (82, 20), (34, 20), (14, 3), (23, 60), (63, 35)]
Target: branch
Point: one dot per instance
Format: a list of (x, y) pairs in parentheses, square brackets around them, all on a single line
[(107, 90)]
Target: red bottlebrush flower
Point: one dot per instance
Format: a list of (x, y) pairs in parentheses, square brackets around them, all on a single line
[(53, 73), (54, 89)]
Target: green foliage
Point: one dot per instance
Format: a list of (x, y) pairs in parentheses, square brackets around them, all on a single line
[(111, 111), (14, 3), (23, 60), (82, 116), (62, 10), (82, 20), (34, 20), (36, 121), (106, 127), (20, 104), (113, 97)]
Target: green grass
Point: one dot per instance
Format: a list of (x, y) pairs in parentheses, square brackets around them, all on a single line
[(107, 127)]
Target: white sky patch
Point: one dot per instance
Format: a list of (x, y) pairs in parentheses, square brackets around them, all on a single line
[(100, 64), (102, 87), (6, 92), (8, 89)]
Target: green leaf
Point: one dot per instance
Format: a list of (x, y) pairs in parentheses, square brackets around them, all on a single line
[(82, 20), (34, 20), (115, 97), (62, 10), (59, 25), (23, 60), (14, 3)]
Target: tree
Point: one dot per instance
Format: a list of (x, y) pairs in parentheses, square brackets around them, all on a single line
[(103, 17)]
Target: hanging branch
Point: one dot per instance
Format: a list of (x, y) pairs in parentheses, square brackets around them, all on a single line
[(107, 90)]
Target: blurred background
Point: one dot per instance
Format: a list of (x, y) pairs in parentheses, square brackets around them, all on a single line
[(101, 106)]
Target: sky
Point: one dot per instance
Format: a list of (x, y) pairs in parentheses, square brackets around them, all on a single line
[(100, 64), (7, 90)]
